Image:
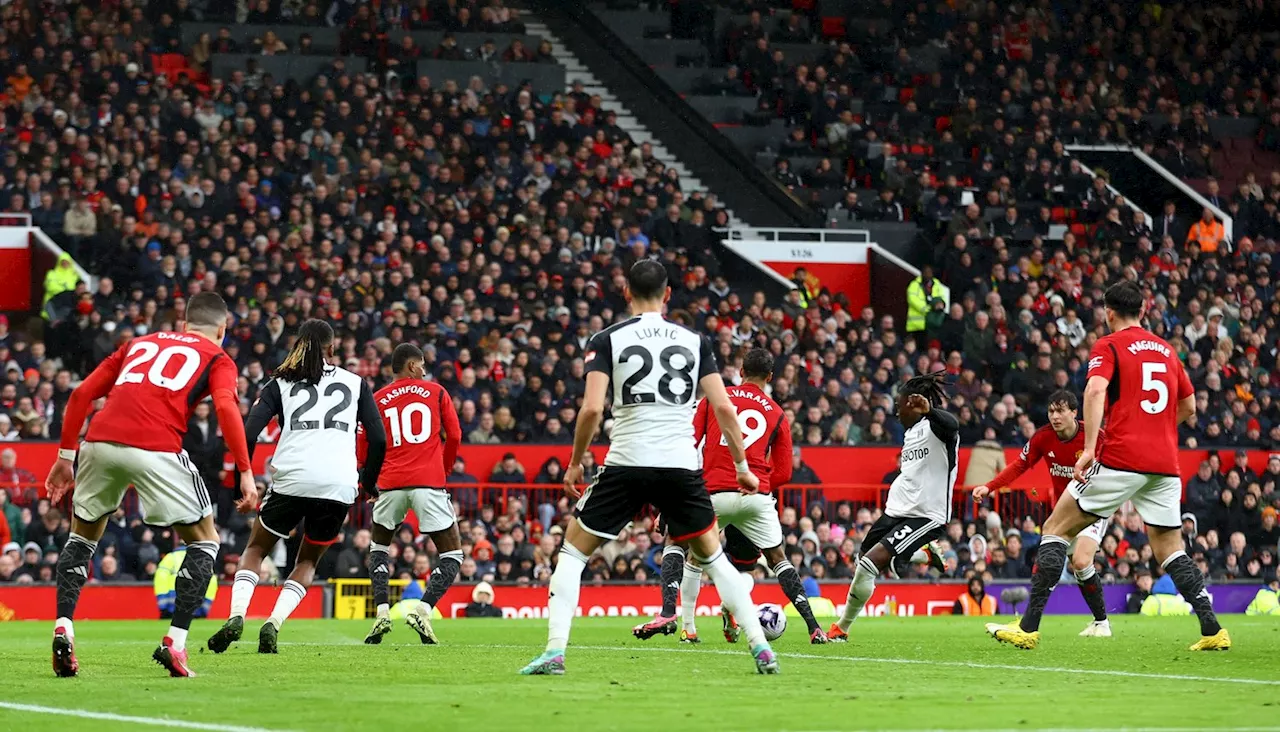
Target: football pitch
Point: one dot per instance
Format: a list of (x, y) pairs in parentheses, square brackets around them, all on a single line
[(895, 674)]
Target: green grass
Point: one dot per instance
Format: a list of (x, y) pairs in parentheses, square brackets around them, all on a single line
[(897, 673)]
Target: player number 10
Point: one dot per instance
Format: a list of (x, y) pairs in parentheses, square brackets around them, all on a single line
[(402, 424)]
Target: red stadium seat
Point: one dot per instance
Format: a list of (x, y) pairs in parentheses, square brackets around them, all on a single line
[(833, 27)]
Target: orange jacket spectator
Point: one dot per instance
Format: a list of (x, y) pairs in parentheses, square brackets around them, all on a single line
[(1208, 232), (975, 601)]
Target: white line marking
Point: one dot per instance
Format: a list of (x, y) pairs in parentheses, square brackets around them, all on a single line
[(954, 664), (1078, 729), (109, 717)]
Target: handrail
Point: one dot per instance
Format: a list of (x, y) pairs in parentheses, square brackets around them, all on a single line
[(895, 259), (25, 218), (1228, 224), (48, 243), (1108, 148), (774, 233)]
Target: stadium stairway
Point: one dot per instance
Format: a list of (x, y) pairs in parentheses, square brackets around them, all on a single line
[(652, 112), (576, 71)]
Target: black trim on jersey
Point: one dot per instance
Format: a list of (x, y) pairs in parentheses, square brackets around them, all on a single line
[(773, 436), (199, 390), (270, 404), (374, 433), (1113, 386), (946, 428), (601, 344), (707, 359)]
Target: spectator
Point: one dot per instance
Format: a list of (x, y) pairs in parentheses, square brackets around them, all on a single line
[(922, 293), (481, 605), (975, 600), (1141, 591)]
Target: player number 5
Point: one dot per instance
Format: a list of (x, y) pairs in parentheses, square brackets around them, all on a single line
[(1149, 370)]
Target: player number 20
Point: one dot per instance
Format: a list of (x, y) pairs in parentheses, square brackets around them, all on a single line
[(143, 352), (753, 426), (1149, 383), (402, 424)]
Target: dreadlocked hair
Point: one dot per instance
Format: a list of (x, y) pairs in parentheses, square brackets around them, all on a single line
[(929, 386), (306, 360)]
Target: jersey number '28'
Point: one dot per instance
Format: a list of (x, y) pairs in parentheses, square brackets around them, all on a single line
[(296, 421), (670, 372), (144, 351)]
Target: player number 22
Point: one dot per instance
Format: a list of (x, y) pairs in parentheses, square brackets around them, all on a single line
[(145, 351), (402, 424), (1149, 370), (753, 426)]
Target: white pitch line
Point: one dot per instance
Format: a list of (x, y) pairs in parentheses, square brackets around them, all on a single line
[(1076, 729), (110, 717), (953, 664)]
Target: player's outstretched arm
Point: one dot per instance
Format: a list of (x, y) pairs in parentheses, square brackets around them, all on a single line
[(588, 422), (780, 455), (375, 436), (222, 388), (727, 418), (1029, 456), (95, 386)]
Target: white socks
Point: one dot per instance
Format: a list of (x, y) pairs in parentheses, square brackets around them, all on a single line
[(65, 624), (735, 595), (562, 600), (178, 636), (1083, 575), (242, 592), (860, 590), (290, 597), (690, 586), (384, 610)]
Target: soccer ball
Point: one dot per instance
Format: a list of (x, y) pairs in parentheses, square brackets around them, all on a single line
[(772, 620)]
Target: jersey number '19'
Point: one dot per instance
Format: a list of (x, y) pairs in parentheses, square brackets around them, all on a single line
[(753, 425), (671, 372), (144, 351), (1149, 370), (296, 421), (402, 424)]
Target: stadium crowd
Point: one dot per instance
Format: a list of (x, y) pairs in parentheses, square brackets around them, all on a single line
[(492, 224)]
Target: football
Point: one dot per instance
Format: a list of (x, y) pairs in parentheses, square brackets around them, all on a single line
[(773, 621)]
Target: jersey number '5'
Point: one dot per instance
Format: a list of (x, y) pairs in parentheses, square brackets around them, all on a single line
[(671, 372)]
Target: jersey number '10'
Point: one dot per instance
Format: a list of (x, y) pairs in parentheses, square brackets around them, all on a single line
[(631, 395), (331, 422), (401, 423)]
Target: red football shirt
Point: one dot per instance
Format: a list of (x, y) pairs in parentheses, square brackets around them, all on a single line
[(152, 385), (765, 435), (423, 434), (1146, 382), (1060, 454)]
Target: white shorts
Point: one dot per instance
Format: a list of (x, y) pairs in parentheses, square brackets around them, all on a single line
[(755, 515), (169, 487), (434, 507), (1158, 498), (1093, 533)]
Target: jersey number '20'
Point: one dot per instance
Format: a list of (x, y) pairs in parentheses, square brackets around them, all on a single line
[(144, 351), (671, 372), (296, 421)]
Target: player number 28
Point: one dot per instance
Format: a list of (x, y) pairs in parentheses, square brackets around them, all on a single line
[(1149, 383), (145, 351), (753, 426), (402, 424)]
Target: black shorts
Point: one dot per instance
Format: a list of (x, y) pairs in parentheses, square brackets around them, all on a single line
[(618, 494), (322, 519), (902, 536), (741, 552)]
